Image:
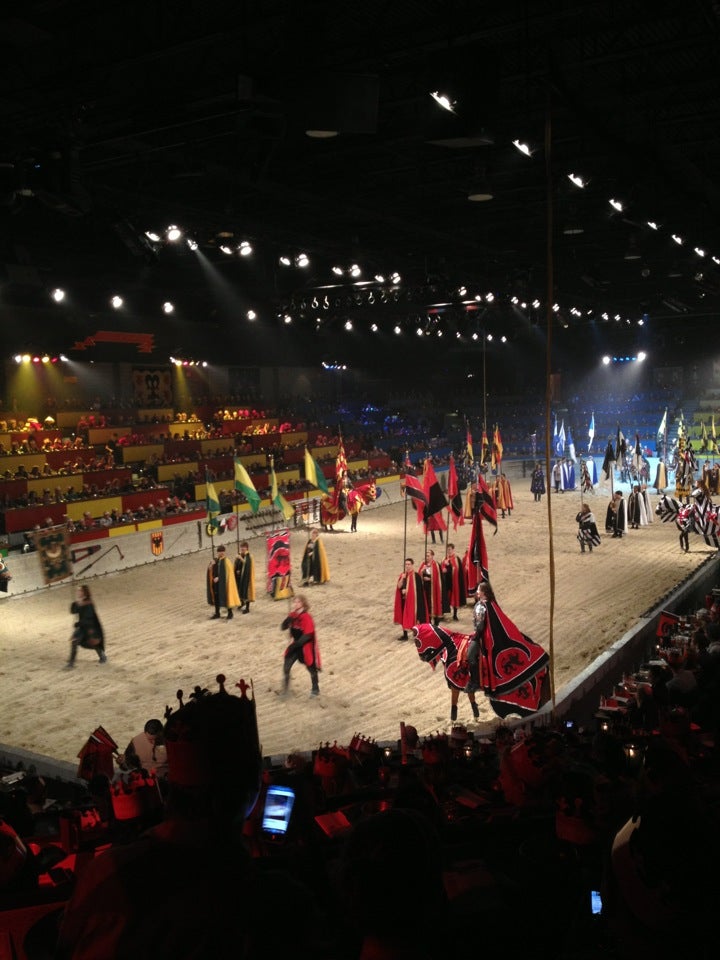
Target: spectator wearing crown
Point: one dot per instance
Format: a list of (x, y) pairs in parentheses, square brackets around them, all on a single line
[(188, 888)]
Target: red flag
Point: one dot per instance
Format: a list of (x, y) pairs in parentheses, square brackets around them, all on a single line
[(667, 624), (485, 447), (456, 504), (412, 488), (477, 551), (497, 448), (485, 502), (435, 497), (468, 443)]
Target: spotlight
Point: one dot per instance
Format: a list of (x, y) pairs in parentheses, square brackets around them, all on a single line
[(444, 101), (577, 180), (192, 244), (226, 250), (397, 330), (522, 147), (338, 271), (395, 278), (26, 358), (173, 233), (374, 327), (45, 358), (641, 356), (151, 235), (58, 295), (287, 318), (251, 315), (168, 307), (606, 360), (355, 270), (616, 205), (285, 261), (245, 249), (116, 301), (17, 358), (302, 260)]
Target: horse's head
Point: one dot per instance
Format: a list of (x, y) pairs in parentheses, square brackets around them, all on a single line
[(429, 643)]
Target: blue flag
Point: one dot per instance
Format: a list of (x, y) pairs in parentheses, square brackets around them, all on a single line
[(591, 432)]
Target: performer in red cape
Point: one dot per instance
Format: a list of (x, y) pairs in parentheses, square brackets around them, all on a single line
[(509, 666), (431, 575), (410, 605), (454, 577), (304, 647)]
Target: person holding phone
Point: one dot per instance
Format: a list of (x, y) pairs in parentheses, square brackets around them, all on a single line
[(304, 645)]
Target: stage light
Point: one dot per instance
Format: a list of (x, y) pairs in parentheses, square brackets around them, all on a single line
[(192, 244), (380, 278), (348, 325), (26, 358), (606, 360), (395, 278), (652, 225), (444, 101), (168, 307), (338, 271), (245, 249), (151, 235), (699, 251), (63, 358), (474, 336), (374, 327), (641, 356), (45, 358), (355, 270), (173, 233), (226, 250), (116, 301), (489, 297), (678, 240), (36, 359), (397, 330), (419, 331), (17, 358), (302, 260), (503, 339), (522, 147), (58, 295), (287, 318), (616, 205), (577, 180), (536, 304), (251, 315), (285, 261), (489, 338)]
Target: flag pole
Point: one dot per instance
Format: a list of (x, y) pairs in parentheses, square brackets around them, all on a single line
[(407, 463), (207, 510)]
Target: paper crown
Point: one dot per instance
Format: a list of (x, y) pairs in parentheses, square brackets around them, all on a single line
[(363, 745), (135, 796), (436, 749), (330, 761), (213, 738)]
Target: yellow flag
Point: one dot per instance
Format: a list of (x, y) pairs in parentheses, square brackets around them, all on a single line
[(278, 499)]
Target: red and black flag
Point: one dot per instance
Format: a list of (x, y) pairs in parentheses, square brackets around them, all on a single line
[(513, 668), (667, 624), (485, 451), (411, 487), (436, 501), (456, 504), (477, 550), (486, 502)]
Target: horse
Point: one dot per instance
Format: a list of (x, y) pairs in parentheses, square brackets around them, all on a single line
[(513, 668)]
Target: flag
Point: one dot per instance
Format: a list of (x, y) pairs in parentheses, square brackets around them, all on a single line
[(571, 446), (485, 447), (340, 465), (456, 504), (313, 473), (497, 448), (477, 550), (703, 438), (667, 624), (555, 436), (609, 461), (411, 487), (436, 500), (213, 504), (662, 429), (560, 441), (53, 548), (713, 437), (486, 503), (277, 498), (637, 455), (468, 442), (620, 447), (591, 431), (245, 486)]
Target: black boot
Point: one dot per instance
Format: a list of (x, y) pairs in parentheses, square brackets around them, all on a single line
[(246, 608), (455, 616), (475, 709), (453, 713)]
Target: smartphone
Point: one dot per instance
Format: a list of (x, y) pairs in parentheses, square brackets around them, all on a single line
[(277, 810), (595, 902)]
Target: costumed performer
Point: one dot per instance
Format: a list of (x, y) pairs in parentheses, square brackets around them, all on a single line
[(221, 585), (314, 564), (410, 605), (431, 575), (245, 576), (587, 535), (304, 645), (454, 577)]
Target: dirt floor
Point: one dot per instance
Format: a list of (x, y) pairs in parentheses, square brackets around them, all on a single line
[(160, 638)]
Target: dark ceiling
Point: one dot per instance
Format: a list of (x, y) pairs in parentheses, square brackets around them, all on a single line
[(117, 118)]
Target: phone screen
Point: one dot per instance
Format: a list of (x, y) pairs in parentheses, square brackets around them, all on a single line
[(595, 901), (278, 807)]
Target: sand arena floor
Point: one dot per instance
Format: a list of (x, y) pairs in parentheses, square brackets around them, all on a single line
[(160, 639)]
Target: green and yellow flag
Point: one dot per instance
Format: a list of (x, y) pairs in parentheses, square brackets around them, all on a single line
[(313, 473), (213, 504), (245, 486), (277, 498)]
